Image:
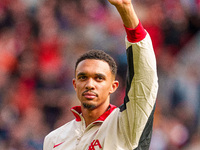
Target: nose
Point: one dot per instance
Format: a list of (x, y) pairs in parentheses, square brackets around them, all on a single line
[(90, 84)]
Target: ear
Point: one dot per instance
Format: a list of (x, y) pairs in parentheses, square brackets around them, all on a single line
[(74, 83), (114, 86)]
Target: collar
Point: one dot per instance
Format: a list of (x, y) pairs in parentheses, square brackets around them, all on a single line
[(76, 110)]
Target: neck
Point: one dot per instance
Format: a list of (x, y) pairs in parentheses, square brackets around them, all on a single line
[(91, 115)]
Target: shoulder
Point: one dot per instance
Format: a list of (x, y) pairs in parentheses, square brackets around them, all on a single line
[(58, 133)]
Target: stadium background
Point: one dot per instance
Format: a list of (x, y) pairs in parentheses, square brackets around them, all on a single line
[(41, 39)]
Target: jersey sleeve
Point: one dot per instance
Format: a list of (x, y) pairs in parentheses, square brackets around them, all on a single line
[(136, 119)]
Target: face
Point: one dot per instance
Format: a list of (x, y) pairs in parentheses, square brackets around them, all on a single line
[(94, 83)]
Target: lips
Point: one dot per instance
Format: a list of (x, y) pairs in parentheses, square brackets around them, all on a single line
[(89, 95)]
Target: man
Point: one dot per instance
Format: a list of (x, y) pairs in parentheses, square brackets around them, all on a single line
[(98, 124)]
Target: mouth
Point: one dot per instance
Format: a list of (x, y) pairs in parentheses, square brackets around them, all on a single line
[(89, 95)]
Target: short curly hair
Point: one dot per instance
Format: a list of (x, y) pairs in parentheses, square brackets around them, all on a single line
[(99, 55)]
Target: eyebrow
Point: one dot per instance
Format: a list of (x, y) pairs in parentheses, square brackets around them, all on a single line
[(81, 74), (97, 74), (100, 75)]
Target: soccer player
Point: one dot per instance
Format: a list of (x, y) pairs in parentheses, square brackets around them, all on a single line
[(98, 124)]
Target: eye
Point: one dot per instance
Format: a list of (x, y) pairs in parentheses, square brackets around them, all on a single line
[(100, 78), (82, 77)]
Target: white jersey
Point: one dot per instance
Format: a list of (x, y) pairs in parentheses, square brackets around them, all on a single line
[(128, 127)]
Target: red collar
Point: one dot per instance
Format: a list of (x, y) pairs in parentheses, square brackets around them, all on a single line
[(76, 110)]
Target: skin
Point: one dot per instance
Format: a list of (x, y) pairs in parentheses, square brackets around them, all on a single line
[(126, 11), (93, 84)]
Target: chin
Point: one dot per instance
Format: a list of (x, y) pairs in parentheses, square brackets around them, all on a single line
[(89, 106)]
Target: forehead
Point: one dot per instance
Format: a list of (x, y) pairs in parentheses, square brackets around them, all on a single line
[(93, 66)]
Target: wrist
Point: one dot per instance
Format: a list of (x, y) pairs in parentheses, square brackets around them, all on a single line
[(128, 15)]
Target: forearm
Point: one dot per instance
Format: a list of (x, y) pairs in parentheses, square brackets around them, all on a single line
[(127, 12), (128, 16)]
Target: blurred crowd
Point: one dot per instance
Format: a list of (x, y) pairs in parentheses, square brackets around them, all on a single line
[(40, 41)]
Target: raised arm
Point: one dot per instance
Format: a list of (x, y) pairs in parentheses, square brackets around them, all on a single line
[(127, 13), (136, 117)]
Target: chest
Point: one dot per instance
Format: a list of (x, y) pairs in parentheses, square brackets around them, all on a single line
[(82, 139), (105, 135)]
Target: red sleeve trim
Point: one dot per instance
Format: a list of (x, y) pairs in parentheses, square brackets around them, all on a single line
[(137, 34)]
